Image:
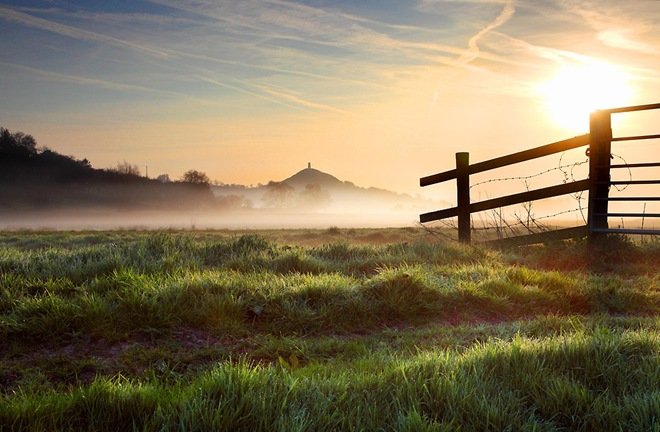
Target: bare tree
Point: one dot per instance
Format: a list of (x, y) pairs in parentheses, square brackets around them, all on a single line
[(17, 142), (127, 168), (196, 177)]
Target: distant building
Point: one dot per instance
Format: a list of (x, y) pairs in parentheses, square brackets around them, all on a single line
[(309, 165), (163, 178)]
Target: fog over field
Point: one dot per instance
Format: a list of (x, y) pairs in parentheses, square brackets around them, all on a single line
[(86, 219), (43, 189)]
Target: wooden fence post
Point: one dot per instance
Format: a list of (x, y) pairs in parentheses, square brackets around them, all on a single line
[(463, 196), (600, 143)]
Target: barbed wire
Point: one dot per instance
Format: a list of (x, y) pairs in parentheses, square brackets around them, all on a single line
[(485, 228), (624, 187), (578, 197), (529, 220), (570, 175), (560, 168)]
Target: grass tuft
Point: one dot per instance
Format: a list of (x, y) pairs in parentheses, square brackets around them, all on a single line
[(340, 331)]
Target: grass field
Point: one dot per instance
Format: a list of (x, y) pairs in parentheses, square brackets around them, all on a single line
[(325, 330)]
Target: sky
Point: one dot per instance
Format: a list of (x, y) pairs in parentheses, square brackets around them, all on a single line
[(376, 92)]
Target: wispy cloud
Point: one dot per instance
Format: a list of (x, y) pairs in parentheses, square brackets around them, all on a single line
[(243, 90), (80, 80), (312, 25), (250, 18), (112, 85), (619, 24), (287, 95), (473, 44), (544, 52), (303, 73), (622, 39), (115, 18), (162, 54), (74, 32)]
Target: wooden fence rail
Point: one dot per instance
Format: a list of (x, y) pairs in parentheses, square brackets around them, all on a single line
[(599, 140)]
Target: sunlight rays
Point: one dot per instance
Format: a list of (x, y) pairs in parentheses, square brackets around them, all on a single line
[(578, 89)]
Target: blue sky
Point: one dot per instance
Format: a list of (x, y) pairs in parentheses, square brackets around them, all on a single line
[(251, 90)]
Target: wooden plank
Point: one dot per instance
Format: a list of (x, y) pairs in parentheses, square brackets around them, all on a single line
[(637, 165), (629, 215), (626, 231), (532, 195), (634, 108), (437, 215), (541, 237), (631, 182), (600, 129), (437, 178), (633, 199), (463, 196), (513, 158), (530, 154), (635, 138)]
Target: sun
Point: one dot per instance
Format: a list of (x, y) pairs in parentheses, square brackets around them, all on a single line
[(579, 89)]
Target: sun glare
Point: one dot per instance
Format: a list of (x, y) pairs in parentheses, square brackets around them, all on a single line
[(577, 90)]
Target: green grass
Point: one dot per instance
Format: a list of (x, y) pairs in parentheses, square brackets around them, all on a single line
[(325, 330)]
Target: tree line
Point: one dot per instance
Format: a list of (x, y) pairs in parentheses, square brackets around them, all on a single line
[(22, 147), (37, 178)]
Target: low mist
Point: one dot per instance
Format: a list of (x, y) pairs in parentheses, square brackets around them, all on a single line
[(90, 219)]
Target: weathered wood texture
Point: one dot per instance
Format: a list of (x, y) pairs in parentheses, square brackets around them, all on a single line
[(599, 139), (600, 129), (518, 198), (463, 196), (511, 159)]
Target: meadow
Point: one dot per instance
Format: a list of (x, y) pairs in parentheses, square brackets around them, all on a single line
[(315, 330)]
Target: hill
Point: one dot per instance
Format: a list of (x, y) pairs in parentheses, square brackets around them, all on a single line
[(311, 189), (42, 188), (33, 179), (312, 176)]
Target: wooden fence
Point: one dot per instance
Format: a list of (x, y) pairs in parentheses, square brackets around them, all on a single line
[(599, 140)]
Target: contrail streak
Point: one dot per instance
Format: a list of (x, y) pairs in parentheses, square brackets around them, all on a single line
[(73, 32), (299, 100), (473, 44)]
